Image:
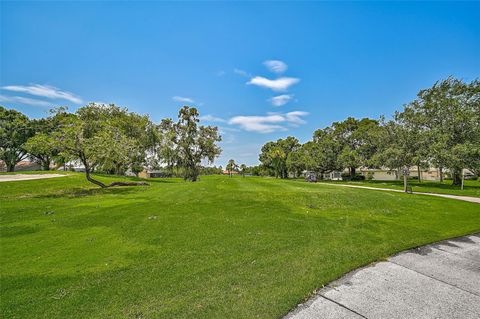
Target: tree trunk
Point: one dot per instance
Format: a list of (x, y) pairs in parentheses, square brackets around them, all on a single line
[(457, 180), (405, 183), (441, 174), (10, 167), (46, 165), (419, 174), (352, 172), (463, 180), (91, 180)]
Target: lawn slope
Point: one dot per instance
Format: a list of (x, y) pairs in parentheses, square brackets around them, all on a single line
[(219, 248), (472, 187)]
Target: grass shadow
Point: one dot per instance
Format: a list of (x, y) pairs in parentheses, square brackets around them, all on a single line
[(83, 192)]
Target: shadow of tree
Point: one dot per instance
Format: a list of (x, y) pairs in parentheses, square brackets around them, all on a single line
[(82, 192)]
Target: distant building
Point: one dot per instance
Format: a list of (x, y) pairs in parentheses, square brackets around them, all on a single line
[(384, 174), (22, 166)]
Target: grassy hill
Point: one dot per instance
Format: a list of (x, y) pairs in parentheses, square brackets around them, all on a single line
[(219, 248)]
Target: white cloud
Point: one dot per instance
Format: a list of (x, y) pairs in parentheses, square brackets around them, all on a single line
[(221, 73), (211, 118), (44, 91), (276, 66), (281, 99), (269, 123), (295, 117), (182, 99), (280, 84), (24, 100)]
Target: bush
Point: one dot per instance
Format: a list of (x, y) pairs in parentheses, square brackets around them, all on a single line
[(356, 177)]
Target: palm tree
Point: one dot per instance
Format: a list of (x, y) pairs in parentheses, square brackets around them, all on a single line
[(243, 169), (231, 166)]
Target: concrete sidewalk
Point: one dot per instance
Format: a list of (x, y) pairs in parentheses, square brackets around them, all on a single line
[(441, 280), (26, 177), (464, 198)]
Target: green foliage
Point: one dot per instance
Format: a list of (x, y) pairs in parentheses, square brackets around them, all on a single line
[(186, 144), (43, 148), (243, 169), (440, 128), (106, 138), (274, 155), (15, 130)]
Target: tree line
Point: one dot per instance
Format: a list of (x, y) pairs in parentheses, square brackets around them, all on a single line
[(440, 128), (109, 139)]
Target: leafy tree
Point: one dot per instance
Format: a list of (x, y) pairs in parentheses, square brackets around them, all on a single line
[(274, 155), (105, 136), (358, 140), (296, 161), (194, 143), (43, 148), (323, 152), (449, 113), (15, 130), (167, 150), (398, 149)]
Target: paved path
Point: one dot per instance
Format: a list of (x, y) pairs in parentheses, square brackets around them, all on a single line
[(24, 177), (464, 198), (441, 280)]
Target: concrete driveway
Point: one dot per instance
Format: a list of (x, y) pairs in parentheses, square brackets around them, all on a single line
[(441, 280), (25, 177)]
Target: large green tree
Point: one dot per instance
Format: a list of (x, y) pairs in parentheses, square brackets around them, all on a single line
[(274, 155), (15, 130), (193, 143), (105, 137), (449, 114), (358, 140), (42, 147)]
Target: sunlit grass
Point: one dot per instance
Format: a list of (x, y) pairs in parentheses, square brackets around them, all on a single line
[(219, 248)]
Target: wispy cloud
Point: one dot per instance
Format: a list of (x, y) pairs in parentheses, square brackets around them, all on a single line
[(241, 73), (221, 73), (47, 91), (280, 84), (281, 99), (182, 99), (24, 100), (295, 117), (269, 123), (276, 66), (211, 118)]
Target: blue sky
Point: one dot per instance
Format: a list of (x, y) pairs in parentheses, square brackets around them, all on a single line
[(260, 71)]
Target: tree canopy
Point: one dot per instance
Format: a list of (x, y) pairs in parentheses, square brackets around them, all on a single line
[(440, 128)]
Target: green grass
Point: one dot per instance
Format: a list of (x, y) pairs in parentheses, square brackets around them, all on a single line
[(471, 187), (219, 248)]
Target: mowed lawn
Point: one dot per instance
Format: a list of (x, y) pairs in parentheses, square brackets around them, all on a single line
[(219, 248), (471, 187)]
